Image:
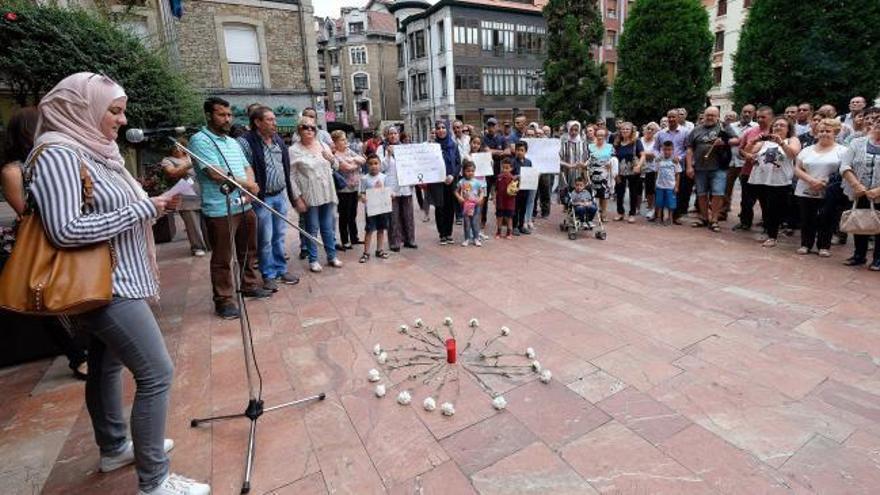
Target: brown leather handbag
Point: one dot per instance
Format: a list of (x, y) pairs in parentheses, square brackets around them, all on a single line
[(42, 279)]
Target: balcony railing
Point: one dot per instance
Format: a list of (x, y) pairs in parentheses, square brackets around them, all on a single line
[(245, 75)]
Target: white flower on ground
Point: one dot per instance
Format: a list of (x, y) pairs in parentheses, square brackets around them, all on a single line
[(447, 321), (383, 357), (499, 403), (373, 375), (546, 376), (403, 328), (404, 398), (419, 323), (536, 366), (377, 349), (380, 390), (474, 323), (505, 331), (447, 408), (429, 404), (530, 353)]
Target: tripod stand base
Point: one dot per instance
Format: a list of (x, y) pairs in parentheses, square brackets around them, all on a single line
[(253, 412)]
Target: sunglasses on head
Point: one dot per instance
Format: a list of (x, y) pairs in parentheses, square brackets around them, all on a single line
[(306, 127)]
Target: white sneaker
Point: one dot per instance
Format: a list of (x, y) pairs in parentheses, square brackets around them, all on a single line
[(483, 237), (465, 243), (125, 457), (178, 485), (335, 263), (315, 267), (478, 243), (198, 253)]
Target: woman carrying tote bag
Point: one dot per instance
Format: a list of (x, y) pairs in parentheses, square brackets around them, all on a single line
[(861, 174)]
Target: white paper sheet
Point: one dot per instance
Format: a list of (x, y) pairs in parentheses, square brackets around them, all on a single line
[(184, 187), (420, 163), (378, 201), (483, 161), (544, 154), (528, 178)]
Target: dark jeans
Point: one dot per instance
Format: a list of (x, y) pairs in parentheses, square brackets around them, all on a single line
[(683, 199), (125, 334), (545, 186), (519, 217), (244, 227), (634, 183), (816, 226), (347, 209), (773, 201), (861, 241), (746, 202)]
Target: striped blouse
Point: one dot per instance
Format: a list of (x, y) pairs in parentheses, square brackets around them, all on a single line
[(57, 190)]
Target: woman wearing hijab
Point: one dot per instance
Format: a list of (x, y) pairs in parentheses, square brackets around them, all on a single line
[(79, 122), (442, 196), (573, 154)]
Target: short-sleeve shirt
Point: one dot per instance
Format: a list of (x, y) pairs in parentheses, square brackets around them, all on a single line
[(700, 141), (628, 155), (819, 166), (772, 166), (372, 182), (470, 189), (678, 138), (602, 155), (666, 169), (863, 160), (581, 197), (225, 154), (504, 200)]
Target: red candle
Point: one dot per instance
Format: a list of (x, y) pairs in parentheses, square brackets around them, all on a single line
[(450, 351)]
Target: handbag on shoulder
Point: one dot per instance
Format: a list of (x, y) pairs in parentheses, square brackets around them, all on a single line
[(42, 279), (861, 221)]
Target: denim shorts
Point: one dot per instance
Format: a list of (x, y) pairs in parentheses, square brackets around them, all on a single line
[(665, 198), (378, 222), (712, 182)]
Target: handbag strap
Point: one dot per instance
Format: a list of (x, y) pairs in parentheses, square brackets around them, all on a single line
[(87, 184)]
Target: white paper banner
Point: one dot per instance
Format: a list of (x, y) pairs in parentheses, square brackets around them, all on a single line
[(378, 201), (544, 154), (528, 178), (483, 161), (420, 163)]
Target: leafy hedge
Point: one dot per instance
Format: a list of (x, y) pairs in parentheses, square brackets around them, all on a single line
[(44, 44)]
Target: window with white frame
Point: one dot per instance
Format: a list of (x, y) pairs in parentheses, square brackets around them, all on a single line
[(499, 81), (243, 56), (357, 55), (360, 81)]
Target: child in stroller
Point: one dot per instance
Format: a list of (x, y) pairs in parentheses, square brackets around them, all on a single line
[(580, 210)]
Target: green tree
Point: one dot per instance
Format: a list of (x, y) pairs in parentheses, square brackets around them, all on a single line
[(44, 44), (808, 50), (664, 59), (573, 81)]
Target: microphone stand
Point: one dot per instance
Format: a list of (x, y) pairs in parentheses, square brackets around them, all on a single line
[(255, 406)]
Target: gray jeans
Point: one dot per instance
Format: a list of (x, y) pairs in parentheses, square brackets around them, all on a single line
[(125, 333)]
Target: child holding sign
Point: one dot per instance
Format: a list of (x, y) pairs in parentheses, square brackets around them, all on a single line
[(505, 203), (376, 221), (470, 195), (525, 199)]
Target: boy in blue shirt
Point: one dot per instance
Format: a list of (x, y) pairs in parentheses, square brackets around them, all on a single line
[(668, 168)]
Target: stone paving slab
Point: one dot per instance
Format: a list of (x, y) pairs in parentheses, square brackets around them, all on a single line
[(683, 362)]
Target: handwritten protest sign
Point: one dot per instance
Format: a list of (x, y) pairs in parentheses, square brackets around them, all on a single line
[(378, 201), (483, 161), (544, 154), (420, 163), (528, 178)]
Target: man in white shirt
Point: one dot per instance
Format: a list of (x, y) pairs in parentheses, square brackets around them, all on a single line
[(462, 140), (802, 121), (683, 121)]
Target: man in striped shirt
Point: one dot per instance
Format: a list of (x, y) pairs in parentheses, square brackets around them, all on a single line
[(214, 144)]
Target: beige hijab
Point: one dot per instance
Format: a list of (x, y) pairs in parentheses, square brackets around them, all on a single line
[(70, 116)]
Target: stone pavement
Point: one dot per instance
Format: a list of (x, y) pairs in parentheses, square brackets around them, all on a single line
[(683, 361)]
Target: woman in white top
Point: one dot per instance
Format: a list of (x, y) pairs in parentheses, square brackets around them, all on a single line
[(774, 166), (311, 167), (814, 165), (649, 131), (861, 174)]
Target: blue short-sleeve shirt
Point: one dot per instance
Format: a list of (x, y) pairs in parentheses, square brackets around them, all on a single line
[(226, 154)]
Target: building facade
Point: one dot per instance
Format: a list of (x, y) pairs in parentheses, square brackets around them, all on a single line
[(614, 13), (726, 19), (468, 60), (357, 66)]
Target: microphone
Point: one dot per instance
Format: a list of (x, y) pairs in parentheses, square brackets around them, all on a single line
[(135, 135)]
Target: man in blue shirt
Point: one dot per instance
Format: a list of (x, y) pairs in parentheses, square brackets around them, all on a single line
[(677, 134), (214, 145)]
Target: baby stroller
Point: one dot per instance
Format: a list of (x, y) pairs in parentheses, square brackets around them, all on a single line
[(571, 223)]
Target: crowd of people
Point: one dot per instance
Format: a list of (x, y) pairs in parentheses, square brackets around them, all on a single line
[(804, 168)]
